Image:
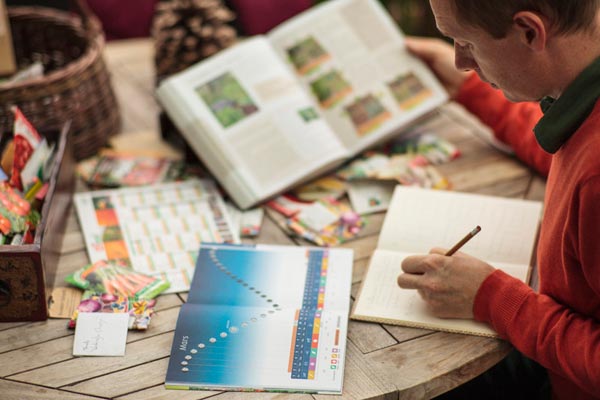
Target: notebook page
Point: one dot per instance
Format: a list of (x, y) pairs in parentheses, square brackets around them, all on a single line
[(419, 219), (383, 301)]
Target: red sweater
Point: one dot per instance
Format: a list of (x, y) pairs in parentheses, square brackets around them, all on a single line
[(559, 327)]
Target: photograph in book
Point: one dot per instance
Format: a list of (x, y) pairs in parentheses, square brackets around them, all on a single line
[(330, 88), (409, 91), (264, 318), (418, 220), (307, 55), (281, 108), (308, 114), (367, 114), (227, 99), (156, 229)]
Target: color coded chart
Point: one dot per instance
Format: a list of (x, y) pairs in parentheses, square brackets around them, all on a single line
[(307, 325)]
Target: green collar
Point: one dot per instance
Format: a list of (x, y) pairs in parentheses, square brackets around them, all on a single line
[(563, 116)]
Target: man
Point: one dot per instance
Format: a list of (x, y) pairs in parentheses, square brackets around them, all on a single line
[(531, 50)]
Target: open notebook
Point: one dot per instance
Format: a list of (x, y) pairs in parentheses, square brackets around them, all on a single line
[(419, 219)]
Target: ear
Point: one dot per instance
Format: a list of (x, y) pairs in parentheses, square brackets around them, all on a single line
[(531, 29)]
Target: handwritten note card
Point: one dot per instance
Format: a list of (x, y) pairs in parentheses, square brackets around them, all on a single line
[(100, 334)]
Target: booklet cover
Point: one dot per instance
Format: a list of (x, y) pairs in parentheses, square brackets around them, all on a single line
[(264, 318)]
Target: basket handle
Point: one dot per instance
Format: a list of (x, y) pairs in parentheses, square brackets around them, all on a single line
[(90, 21)]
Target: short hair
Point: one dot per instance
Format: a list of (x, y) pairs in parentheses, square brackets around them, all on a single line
[(566, 16)]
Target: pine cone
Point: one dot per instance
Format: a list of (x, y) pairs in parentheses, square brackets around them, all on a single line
[(187, 31)]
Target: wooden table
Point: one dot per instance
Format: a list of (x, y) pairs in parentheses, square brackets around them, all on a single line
[(383, 361)]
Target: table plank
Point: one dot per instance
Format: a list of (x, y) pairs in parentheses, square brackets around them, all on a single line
[(87, 369), (160, 393), (433, 364), (369, 337), (126, 381), (32, 333), (15, 390), (361, 380)]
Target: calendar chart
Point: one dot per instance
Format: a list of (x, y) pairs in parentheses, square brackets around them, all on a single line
[(264, 318), (307, 324)]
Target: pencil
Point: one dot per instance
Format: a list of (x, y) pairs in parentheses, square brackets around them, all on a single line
[(464, 240)]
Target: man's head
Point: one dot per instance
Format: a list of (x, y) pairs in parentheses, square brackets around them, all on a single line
[(527, 48), (496, 17)]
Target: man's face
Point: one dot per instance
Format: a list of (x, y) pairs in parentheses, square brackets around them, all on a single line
[(506, 64)]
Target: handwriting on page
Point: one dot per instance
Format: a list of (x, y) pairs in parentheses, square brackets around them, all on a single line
[(100, 334)]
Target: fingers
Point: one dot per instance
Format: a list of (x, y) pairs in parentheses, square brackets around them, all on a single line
[(438, 250), (419, 47), (415, 267), (427, 48), (409, 281), (420, 264)]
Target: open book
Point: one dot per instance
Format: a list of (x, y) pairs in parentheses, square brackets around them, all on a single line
[(264, 318), (420, 219), (281, 108)]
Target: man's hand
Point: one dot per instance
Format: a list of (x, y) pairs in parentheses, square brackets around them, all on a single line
[(439, 55), (447, 284)]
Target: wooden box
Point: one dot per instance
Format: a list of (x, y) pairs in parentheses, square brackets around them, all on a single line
[(27, 271)]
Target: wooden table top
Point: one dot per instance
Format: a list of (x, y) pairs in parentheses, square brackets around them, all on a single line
[(383, 361)]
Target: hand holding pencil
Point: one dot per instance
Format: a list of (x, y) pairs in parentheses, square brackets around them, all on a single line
[(448, 281)]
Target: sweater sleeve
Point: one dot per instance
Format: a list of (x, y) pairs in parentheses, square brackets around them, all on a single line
[(512, 123), (560, 338)]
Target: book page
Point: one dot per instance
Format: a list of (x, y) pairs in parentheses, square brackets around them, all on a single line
[(382, 300), (350, 55), (243, 109), (420, 219)]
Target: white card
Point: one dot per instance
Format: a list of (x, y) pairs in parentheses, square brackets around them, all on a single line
[(246, 223), (36, 161), (317, 216), (100, 334), (370, 196)]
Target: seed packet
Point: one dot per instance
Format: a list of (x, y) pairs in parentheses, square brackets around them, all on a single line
[(328, 222), (26, 140), (321, 188), (114, 169), (140, 311), (112, 278)]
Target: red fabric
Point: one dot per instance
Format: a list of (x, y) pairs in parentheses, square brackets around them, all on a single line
[(259, 16), (133, 18), (124, 19), (559, 326)]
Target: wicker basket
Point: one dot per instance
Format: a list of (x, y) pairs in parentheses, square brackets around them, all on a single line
[(76, 85)]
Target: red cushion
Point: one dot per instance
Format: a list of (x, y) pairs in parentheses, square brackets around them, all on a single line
[(259, 16), (124, 18)]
